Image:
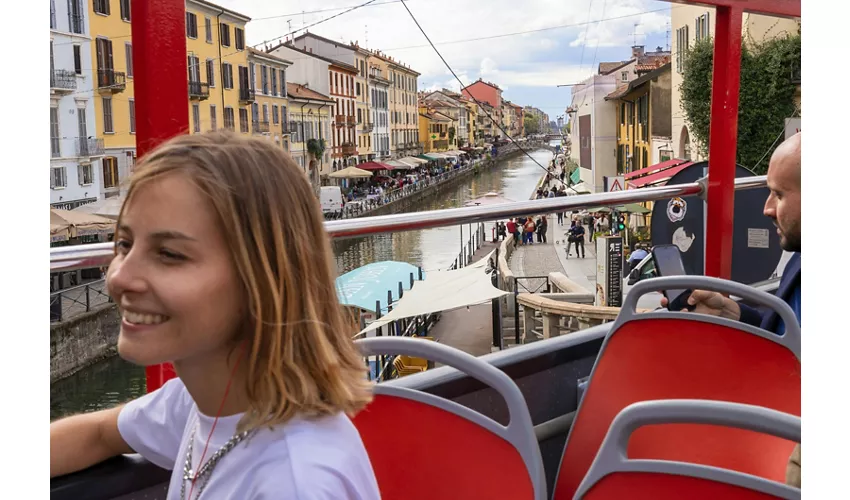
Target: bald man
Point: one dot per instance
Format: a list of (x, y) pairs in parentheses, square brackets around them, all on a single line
[(783, 206)]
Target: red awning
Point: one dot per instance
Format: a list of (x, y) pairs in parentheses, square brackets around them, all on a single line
[(374, 166), (655, 168), (659, 177)]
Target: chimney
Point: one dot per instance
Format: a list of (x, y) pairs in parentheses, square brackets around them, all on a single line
[(658, 49), (637, 51)]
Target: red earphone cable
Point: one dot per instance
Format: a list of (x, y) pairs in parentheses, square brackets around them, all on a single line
[(217, 415)]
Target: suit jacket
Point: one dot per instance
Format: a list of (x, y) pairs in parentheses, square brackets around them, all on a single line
[(768, 319)]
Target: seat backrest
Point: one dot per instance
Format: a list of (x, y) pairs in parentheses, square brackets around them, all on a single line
[(422, 446), (614, 475), (676, 355)]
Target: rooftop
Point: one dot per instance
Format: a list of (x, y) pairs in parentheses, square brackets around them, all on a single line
[(273, 57), (298, 91), (212, 6)]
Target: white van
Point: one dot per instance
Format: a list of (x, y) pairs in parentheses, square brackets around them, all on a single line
[(331, 200)]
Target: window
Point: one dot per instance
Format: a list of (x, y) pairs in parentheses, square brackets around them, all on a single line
[(101, 7), (264, 79), (85, 174), (224, 34), (191, 25), (358, 88), (227, 75), (624, 76), (273, 75), (196, 117), (359, 115), (208, 29), (213, 124), (682, 46), (265, 113), (239, 36), (54, 133), (275, 116), (78, 60), (229, 120), (128, 54), (243, 120), (58, 178), (282, 83), (701, 25), (211, 72), (132, 116), (125, 9), (194, 68), (107, 116), (110, 172)]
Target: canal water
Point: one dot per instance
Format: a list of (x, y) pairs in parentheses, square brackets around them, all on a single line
[(114, 381)]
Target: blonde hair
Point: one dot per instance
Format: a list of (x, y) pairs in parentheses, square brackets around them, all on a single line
[(301, 358)]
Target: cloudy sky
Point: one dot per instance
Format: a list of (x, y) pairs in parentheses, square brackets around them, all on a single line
[(526, 47)]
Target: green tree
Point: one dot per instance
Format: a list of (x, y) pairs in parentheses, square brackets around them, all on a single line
[(768, 87), (451, 135), (316, 149), (531, 125)]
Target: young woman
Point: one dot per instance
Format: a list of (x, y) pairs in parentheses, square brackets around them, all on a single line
[(212, 272)]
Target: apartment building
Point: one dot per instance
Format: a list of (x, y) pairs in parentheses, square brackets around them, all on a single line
[(379, 112), (310, 117), (267, 85), (691, 24), (491, 94), (216, 55), (403, 106), (75, 150)]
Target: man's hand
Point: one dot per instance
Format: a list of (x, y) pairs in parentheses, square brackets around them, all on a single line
[(711, 303)]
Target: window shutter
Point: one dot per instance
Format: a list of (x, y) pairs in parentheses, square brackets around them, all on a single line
[(52, 178), (80, 174)]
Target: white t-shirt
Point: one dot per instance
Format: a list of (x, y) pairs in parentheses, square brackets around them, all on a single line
[(320, 459)]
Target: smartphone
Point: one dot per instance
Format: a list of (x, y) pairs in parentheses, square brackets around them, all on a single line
[(668, 262)]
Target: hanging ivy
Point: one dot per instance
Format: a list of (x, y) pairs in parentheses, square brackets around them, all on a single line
[(769, 77)]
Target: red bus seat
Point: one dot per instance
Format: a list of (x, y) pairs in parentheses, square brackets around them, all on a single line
[(425, 447), (614, 475), (680, 355)]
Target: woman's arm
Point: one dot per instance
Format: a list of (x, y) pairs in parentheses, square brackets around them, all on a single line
[(81, 441)]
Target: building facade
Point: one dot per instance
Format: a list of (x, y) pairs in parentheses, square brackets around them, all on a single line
[(112, 79), (593, 128), (269, 110), (490, 94), (643, 124), (344, 133), (310, 117), (691, 24), (76, 177), (379, 112), (403, 105), (434, 129)]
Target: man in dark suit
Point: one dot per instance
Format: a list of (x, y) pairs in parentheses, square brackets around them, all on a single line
[(783, 206)]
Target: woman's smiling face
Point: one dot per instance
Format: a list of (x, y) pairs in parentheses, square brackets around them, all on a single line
[(173, 276)]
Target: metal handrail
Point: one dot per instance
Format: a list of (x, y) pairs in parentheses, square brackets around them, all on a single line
[(74, 257)]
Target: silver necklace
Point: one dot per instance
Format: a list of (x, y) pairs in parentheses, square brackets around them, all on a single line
[(203, 474)]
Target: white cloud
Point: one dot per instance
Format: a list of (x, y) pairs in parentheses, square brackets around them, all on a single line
[(506, 60)]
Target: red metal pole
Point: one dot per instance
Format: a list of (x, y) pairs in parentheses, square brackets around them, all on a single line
[(722, 145), (161, 93)]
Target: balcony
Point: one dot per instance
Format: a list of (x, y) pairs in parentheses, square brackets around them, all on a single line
[(339, 121), (352, 122), (62, 80), (368, 127), (89, 146), (246, 95), (199, 91), (260, 126), (284, 128), (109, 80), (349, 149), (440, 145)]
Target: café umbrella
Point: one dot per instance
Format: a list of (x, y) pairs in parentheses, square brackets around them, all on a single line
[(350, 173), (78, 223)]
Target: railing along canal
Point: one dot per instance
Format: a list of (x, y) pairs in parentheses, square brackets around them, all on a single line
[(74, 257)]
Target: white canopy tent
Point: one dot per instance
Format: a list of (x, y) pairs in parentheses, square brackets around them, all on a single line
[(443, 291)]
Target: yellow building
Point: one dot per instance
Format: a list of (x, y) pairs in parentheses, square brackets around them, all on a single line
[(309, 118), (472, 121), (218, 67), (434, 130), (643, 120), (217, 64), (268, 113), (112, 80), (403, 105)]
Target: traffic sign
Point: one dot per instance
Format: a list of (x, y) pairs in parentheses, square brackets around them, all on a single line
[(615, 183)]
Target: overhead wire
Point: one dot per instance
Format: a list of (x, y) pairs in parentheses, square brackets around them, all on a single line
[(499, 125)]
